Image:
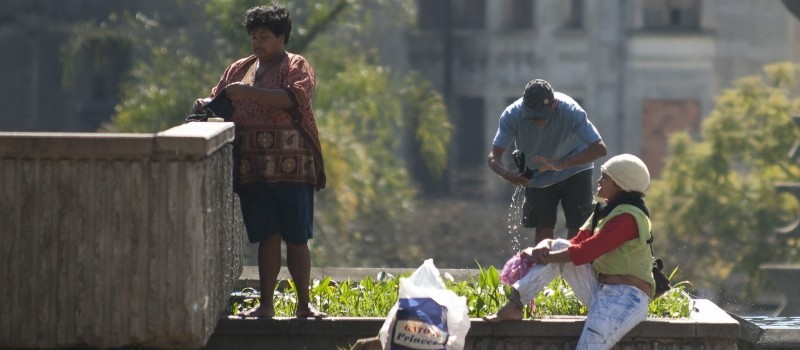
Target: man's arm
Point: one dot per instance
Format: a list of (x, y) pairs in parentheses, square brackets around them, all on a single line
[(496, 164), (590, 154)]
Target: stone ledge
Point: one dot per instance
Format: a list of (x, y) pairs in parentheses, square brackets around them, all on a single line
[(198, 139), (708, 325), (752, 336), (195, 139)]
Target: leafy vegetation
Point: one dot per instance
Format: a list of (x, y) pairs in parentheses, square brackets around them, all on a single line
[(715, 205), (714, 208), (485, 295), (371, 119)]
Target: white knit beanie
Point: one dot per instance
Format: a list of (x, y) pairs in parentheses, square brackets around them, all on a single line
[(628, 172)]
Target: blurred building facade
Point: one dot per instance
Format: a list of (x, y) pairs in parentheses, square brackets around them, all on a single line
[(36, 94), (640, 68)]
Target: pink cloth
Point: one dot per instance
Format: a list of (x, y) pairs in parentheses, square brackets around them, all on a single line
[(515, 268)]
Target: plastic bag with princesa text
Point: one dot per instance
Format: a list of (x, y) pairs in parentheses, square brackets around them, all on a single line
[(427, 314)]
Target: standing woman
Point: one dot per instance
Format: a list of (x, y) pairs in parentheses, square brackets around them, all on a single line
[(609, 268), (278, 160)]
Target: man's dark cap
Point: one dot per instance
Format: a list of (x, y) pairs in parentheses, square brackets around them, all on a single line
[(538, 100)]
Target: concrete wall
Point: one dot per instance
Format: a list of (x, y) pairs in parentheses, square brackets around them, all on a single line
[(708, 328), (113, 240)]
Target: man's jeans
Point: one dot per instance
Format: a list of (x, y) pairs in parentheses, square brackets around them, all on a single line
[(613, 309)]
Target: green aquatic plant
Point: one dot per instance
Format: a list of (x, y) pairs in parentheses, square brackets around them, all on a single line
[(484, 295), (675, 303)]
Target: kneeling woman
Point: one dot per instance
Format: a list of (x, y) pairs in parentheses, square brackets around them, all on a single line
[(609, 267)]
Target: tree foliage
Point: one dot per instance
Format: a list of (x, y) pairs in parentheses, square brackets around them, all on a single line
[(715, 207), (363, 109)]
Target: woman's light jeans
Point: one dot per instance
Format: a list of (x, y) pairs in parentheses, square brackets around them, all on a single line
[(613, 309)]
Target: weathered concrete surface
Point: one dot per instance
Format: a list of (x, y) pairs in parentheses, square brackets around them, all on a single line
[(113, 240), (761, 337), (708, 328)]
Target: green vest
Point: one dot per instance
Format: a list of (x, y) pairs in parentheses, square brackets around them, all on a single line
[(632, 257)]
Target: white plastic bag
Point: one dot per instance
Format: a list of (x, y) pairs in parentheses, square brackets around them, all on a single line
[(427, 314)]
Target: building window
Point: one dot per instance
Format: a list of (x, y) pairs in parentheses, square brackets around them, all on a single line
[(464, 14), (469, 14), (572, 14), (671, 14), (431, 14), (660, 118), (100, 86), (469, 135), (470, 147), (102, 60), (519, 14)]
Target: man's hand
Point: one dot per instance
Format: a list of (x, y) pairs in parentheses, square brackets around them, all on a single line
[(517, 179), (496, 164), (547, 163), (592, 152)]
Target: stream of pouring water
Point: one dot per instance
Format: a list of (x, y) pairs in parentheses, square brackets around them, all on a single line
[(515, 218)]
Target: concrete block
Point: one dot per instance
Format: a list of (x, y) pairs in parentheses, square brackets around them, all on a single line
[(108, 243)]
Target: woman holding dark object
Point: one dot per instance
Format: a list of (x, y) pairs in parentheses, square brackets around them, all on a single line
[(277, 151)]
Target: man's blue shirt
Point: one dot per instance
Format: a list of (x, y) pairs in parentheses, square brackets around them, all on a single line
[(566, 133)]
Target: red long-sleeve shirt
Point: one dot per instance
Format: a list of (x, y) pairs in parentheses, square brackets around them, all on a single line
[(587, 247)]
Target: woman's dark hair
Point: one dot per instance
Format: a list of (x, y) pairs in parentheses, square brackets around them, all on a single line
[(635, 199), (274, 18)]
